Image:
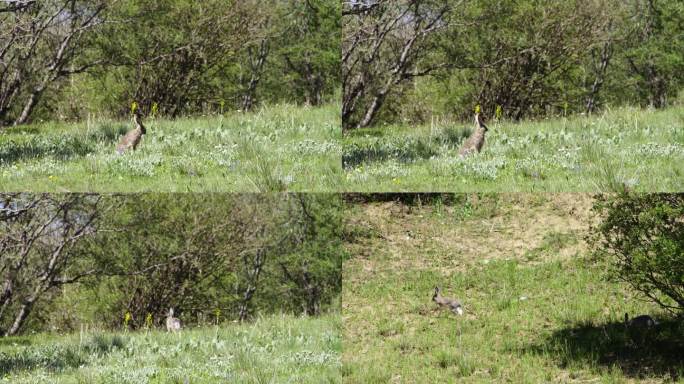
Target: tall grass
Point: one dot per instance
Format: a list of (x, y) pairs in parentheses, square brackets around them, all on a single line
[(276, 349), (625, 148), (276, 148)]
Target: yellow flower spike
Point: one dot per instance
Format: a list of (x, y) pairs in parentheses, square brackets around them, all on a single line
[(477, 108), (134, 107), (127, 318)]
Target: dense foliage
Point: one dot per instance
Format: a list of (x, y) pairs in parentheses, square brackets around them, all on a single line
[(408, 60), (643, 238), (69, 59), (115, 260)]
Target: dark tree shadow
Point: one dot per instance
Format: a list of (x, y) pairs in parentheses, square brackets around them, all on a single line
[(14, 340), (407, 151), (60, 147), (648, 353), (57, 359), (409, 199)]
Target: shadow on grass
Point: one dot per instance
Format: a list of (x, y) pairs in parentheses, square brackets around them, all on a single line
[(51, 360), (56, 357), (656, 352), (58, 146), (403, 150), (15, 340)]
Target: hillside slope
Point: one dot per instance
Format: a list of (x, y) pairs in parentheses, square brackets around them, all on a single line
[(537, 309)]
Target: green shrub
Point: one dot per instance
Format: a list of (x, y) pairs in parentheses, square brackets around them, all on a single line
[(642, 236)]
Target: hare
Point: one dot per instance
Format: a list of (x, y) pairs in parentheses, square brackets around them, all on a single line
[(475, 142), (452, 304), (132, 138), (172, 323), (639, 328), (640, 322)]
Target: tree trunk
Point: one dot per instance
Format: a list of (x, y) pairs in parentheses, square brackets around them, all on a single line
[(20, 318), (313, 296), (5, 296), (28, 107), (606, 53), (257, 65), (372, 110), (253, 279), (244, 304)]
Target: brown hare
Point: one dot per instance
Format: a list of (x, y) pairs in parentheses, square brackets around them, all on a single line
[(173, 324), (475, 142), (639, 328), (132, 138), (640, 322), (453, 305)]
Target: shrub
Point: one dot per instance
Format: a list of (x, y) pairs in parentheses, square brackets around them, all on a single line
[(642, 237)]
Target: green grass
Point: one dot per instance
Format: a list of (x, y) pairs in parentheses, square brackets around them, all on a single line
[(276, 148), (279, 349), (536, 308), (639, 149)]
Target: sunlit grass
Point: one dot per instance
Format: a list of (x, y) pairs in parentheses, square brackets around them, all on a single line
[(276, 349), (639, 149), (276, 148)]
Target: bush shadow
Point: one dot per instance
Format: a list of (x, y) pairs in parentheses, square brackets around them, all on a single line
[(641, 354), (408, 150), (60, 147), (51, 360), (14, 341), (57, 357)]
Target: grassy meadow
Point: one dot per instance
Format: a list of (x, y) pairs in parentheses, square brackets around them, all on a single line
[(537, 308), (277, 349), (640, 149), (276, 148)]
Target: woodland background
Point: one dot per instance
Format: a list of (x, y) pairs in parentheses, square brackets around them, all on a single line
[(410, 60), (70, 59), (120, 261)]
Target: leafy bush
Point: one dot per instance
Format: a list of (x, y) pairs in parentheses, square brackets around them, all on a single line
[(642, 236)]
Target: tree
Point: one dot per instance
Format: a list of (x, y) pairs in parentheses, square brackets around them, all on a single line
[(42, 43), (383, 44), (642, 236), (173, 53), (312, 270), (526, 57), (39, 235), (309, 48), (654, 55), (143, 253), (226, 252), (166, 251)]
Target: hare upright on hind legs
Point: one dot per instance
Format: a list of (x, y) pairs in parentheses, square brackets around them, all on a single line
[(131, 140), (476, 141), (173, 324)]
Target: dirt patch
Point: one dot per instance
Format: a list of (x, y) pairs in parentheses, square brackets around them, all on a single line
[(507, 227)]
